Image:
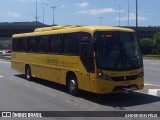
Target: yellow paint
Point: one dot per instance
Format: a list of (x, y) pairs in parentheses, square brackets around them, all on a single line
[(54, 67)]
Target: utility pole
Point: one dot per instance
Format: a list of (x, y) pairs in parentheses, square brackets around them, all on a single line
[(36, 17), (136, 15), (101, 19), (128, 12), (43, 12), (119, 15), (36, 12), (54, 7)]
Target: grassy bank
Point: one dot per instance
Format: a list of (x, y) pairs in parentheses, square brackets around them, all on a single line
[(157, 57), (5, 58)]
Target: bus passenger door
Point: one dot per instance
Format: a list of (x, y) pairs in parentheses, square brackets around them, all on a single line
[(87, 59)]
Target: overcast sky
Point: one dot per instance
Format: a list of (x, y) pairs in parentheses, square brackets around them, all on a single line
[(82, 12)]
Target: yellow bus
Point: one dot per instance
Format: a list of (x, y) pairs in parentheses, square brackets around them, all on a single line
[(98, 59)]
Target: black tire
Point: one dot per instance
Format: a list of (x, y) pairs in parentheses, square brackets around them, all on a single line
[(28, 73), (72, 85)]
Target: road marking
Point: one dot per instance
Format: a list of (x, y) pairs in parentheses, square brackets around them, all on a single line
[(154, 63), (150, 89), (39, 89), (51, 94), (151, 84), (75, 104), (1, 76), (153, 91), (27, 85), (63, 99), (5, 62)]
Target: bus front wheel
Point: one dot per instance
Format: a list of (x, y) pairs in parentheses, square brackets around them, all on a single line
[(72, 85), (28, 73)]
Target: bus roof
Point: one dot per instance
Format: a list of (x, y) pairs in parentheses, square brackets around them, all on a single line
[(70, 29)]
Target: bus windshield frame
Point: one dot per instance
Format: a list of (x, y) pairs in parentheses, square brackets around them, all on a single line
[(117, 51)]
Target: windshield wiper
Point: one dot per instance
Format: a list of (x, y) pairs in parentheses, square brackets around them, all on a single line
[(126, 57), (123, 57), (120, 58)]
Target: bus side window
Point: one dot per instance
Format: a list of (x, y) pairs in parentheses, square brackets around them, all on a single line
[(69, 43), (86, 55), (86, 52), (78, 38), (76, 43), (33, 46), (56, 44), (24, 44), (16, 45), (43, 44)]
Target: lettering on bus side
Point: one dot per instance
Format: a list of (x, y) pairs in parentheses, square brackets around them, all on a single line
[(68, 64), (52, 61)]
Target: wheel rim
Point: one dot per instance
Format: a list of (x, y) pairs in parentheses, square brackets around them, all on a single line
[(28, 74), (72, 85)]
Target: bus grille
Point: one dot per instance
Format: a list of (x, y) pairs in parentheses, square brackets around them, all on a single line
[(124, 78)]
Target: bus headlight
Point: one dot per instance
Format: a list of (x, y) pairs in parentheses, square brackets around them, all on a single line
[(141, 74), (103, 76)]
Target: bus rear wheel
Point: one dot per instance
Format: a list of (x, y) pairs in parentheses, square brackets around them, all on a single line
[(28, 73), (72, 85)]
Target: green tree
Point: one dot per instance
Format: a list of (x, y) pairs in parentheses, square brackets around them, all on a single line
[(147, 46), (156, 39), (4, 46)]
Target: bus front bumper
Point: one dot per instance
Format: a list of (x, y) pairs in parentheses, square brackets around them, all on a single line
[(104, 86)]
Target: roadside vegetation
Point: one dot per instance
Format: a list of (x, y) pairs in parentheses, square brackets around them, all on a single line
[(151, 47), (4, 46), (157, 57), (5, 58)]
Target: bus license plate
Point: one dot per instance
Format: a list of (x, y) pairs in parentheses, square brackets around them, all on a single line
[(125, 84)]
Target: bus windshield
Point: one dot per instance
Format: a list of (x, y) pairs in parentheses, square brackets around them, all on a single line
[(117, 51)]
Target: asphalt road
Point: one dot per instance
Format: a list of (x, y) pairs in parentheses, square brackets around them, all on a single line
[(152, 71), (18, 94)]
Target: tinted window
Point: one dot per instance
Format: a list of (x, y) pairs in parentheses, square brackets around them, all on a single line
[(24, 44), (117, 51), (43, 44), (86, 52), (81, 37), (56, 44), (69, 43), (33, 46), (16, 45)]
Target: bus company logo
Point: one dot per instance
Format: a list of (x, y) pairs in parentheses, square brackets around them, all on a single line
[(52, 60), (6, 114)]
